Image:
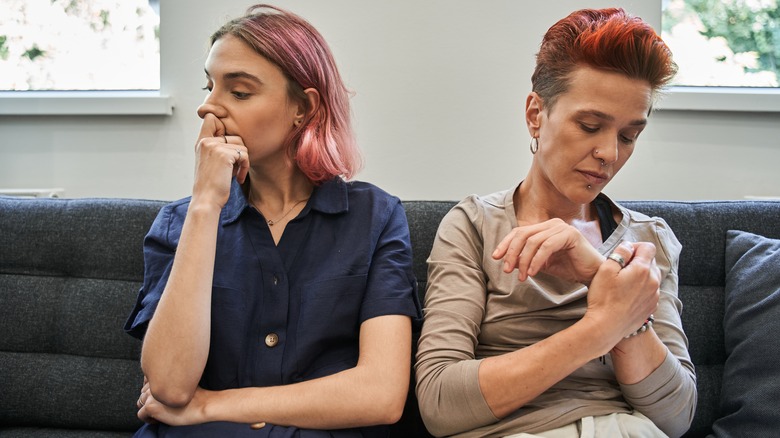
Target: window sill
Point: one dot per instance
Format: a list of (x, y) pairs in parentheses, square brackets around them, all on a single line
[(84, 103), (720, 99)]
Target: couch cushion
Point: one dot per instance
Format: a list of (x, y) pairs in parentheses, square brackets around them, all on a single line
[(751, 375)]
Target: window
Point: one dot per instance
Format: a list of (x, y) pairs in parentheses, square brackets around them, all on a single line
[(727, 51), (79, 45)]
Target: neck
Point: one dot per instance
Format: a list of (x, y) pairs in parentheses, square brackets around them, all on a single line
[(276, 190), (542, 201)]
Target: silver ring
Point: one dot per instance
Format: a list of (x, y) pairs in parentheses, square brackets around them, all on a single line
[(224, 137), (618, 258), (239, 155), (140, 402)]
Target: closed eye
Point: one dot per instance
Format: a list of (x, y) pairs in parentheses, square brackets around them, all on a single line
[(588, 128)]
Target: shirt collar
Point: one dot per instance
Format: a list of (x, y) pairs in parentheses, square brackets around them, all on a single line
[(330, 197)]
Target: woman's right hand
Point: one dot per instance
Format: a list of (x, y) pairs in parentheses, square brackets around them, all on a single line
[(621, 298), (553, 247), (218, 158)]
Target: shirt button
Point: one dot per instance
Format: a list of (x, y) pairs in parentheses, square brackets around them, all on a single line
[(271, 339), (276, 280)]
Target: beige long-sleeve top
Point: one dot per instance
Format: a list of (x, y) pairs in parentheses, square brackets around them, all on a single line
[(474, 310)]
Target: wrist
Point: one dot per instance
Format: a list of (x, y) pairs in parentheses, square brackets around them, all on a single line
[(594, 269), (202, 208), (647, 325)]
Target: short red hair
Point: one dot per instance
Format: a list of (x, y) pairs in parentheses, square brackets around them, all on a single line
[(605, 39)]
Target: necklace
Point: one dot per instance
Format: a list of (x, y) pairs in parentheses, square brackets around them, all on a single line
[(272, 222)]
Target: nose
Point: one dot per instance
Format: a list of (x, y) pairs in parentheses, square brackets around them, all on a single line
[(210, 105), (608, 152)]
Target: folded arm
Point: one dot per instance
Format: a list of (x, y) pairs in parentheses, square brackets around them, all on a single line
[(373, 392)]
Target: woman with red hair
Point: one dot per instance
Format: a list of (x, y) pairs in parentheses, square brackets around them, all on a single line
[(585, 339), (278, 295)]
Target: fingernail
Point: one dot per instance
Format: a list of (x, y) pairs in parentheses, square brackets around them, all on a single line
[(506, 266)]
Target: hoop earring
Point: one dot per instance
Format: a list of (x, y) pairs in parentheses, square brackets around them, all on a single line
[(534, 145)]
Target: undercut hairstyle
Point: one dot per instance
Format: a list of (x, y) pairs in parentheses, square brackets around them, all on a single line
[(323, 146), (604, 39)]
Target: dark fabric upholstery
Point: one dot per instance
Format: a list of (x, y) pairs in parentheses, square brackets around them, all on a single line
[(69, 273), (751, 322), (70, 270)]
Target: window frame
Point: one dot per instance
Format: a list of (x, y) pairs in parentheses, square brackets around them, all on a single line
[(724, 99), (85, 103), (729, 99)]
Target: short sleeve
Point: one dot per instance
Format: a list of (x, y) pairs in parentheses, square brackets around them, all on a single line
[(391, 287), (158, 259)]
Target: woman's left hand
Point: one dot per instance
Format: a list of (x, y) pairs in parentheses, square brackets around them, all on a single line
[(553, 247)]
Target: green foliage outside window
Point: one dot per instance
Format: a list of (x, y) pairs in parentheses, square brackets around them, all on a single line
[(79, 45), (724, 42)]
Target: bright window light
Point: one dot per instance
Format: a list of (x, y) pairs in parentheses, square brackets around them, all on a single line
[(724, 43), (79, 45)]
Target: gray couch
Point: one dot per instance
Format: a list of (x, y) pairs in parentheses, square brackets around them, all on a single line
[(70, 270)]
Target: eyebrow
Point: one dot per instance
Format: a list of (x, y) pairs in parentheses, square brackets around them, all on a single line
[(601, 115), (237, 75)]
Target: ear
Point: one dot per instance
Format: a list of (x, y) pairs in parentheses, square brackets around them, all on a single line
[(533, 113), (311, 107)]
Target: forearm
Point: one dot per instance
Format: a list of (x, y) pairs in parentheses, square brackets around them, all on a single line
[(373, 392), (511, 380), (344, 400), (667, 396), (176, 344), (636, 357)]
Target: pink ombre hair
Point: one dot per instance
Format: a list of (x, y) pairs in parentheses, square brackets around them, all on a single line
[(323, 146)]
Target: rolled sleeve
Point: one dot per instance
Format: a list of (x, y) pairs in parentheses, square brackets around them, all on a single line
[(159, 251), (391, 286)]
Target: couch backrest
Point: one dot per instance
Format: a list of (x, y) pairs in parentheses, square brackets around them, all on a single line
[(69, 274), (701, 228), (70, 271)]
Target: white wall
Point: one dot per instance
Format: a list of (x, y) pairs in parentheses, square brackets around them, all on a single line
[(439, 88)]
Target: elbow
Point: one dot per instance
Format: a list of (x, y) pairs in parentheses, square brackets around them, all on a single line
[(436, 426), (391, 415), (438, 420), (390, 406), (171, 395)]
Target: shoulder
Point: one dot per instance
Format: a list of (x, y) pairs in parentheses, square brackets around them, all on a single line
[(480, 208), (366, 190), (171, 215), (367, 198)]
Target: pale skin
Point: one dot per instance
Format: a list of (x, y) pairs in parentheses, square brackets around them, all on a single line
[(246, 117), (583, 142)]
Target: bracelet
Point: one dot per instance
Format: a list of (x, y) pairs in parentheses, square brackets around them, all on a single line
[(648, 323)]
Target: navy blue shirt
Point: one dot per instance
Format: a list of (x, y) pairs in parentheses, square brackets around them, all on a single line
[(288, 312)]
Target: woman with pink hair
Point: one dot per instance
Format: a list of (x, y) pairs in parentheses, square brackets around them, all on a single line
[(278, 299)]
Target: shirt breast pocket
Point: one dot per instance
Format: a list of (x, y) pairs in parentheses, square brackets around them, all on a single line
[(329, 323)]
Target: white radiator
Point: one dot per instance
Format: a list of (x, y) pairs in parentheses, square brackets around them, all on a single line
[(32, 193)]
